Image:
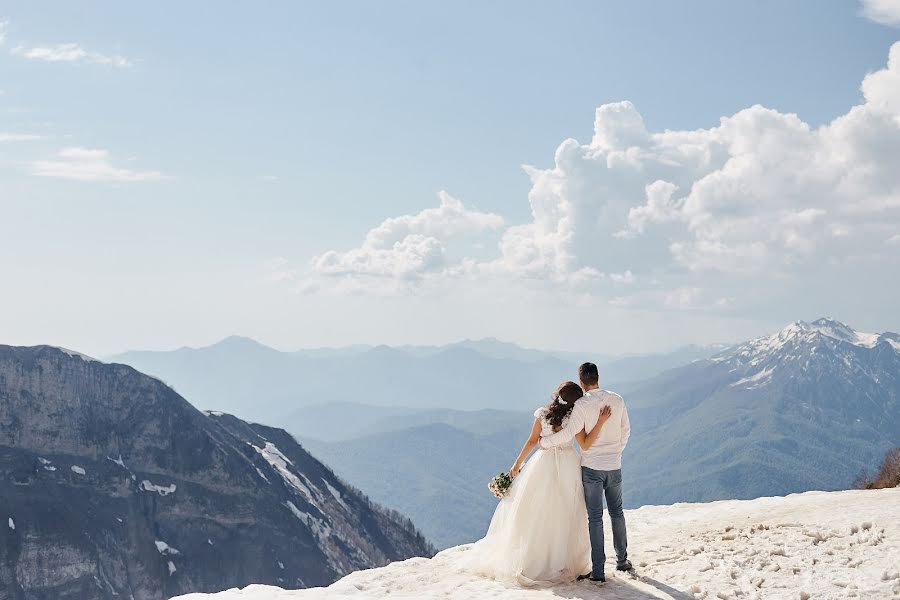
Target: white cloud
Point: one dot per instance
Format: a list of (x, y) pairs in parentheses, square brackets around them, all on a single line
[(704, 214), (4, 26), (886, 12), (19, 137), (84, 164), (413, 256), (449, 219), (410, 246), (763, 190), (882, 88), (659, 208), (69, 53), (894, 240)]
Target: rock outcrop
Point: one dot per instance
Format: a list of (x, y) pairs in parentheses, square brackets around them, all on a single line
[(113, 485)]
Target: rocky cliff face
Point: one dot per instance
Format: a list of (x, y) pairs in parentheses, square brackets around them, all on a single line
[(112, 485)]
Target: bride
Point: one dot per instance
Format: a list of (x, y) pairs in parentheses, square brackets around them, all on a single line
[(539, 534)]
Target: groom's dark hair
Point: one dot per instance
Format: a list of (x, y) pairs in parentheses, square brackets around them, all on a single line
[(588, 374)]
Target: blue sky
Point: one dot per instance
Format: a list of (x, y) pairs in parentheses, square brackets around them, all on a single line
[(176, 173)]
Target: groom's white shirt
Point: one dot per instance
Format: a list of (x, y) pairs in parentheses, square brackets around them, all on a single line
[(606, 453)]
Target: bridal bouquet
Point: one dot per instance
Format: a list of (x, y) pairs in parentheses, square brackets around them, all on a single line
[(499, 485)]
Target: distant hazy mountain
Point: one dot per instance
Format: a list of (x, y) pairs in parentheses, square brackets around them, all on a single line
[(334, 352), (341, 421), (113, 486), (806, 408), (436, 474), (253, 381), (490, 347), (633, 367), (616, 372), (494, 348), (243, 377)]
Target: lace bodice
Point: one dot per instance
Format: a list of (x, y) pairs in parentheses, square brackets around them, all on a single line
[(546, 427)]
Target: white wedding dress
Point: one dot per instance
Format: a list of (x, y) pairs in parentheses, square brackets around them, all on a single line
[(539, 533)]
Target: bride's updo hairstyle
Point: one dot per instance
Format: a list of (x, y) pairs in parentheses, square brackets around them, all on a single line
[(563, 402)]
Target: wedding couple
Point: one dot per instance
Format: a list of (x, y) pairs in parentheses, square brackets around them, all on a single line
[(549, 527)]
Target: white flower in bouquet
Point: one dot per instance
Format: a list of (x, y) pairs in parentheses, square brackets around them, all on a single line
[(499, 485)]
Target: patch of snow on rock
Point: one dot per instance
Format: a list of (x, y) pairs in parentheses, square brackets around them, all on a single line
[(162, 490), (164, 548), (77, 469), (278, 460), (172, 568), (756, 380), (118, 461), (319, 527), (337, 495), (12, 524)]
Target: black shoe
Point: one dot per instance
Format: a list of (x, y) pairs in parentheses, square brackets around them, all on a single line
[(590, 577), (625, 566)]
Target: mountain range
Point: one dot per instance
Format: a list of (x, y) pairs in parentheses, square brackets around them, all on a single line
[(114, 486), (243, 377), (806, 408), (345, 421)]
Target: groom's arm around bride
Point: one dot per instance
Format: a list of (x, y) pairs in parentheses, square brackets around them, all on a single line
[(614, 436)]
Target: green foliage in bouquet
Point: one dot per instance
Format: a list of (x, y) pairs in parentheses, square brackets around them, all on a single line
[(499, 485)]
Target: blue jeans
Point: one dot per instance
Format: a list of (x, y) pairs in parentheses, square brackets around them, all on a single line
[(596, 485)]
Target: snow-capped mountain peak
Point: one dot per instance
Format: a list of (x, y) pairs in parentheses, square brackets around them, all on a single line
[(803, 349), (802, 332), (840, 331)]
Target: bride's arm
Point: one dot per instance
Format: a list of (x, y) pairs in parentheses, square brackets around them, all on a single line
[(530, 443), (586, 440)]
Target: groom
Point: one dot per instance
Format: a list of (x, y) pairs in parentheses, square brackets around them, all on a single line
[(601, 466)]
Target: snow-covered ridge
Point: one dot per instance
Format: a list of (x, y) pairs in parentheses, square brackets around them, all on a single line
[(795, 347), (812, 545), (803, 331)]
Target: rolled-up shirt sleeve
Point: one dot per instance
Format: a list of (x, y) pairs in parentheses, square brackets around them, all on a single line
[(569, 431)]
